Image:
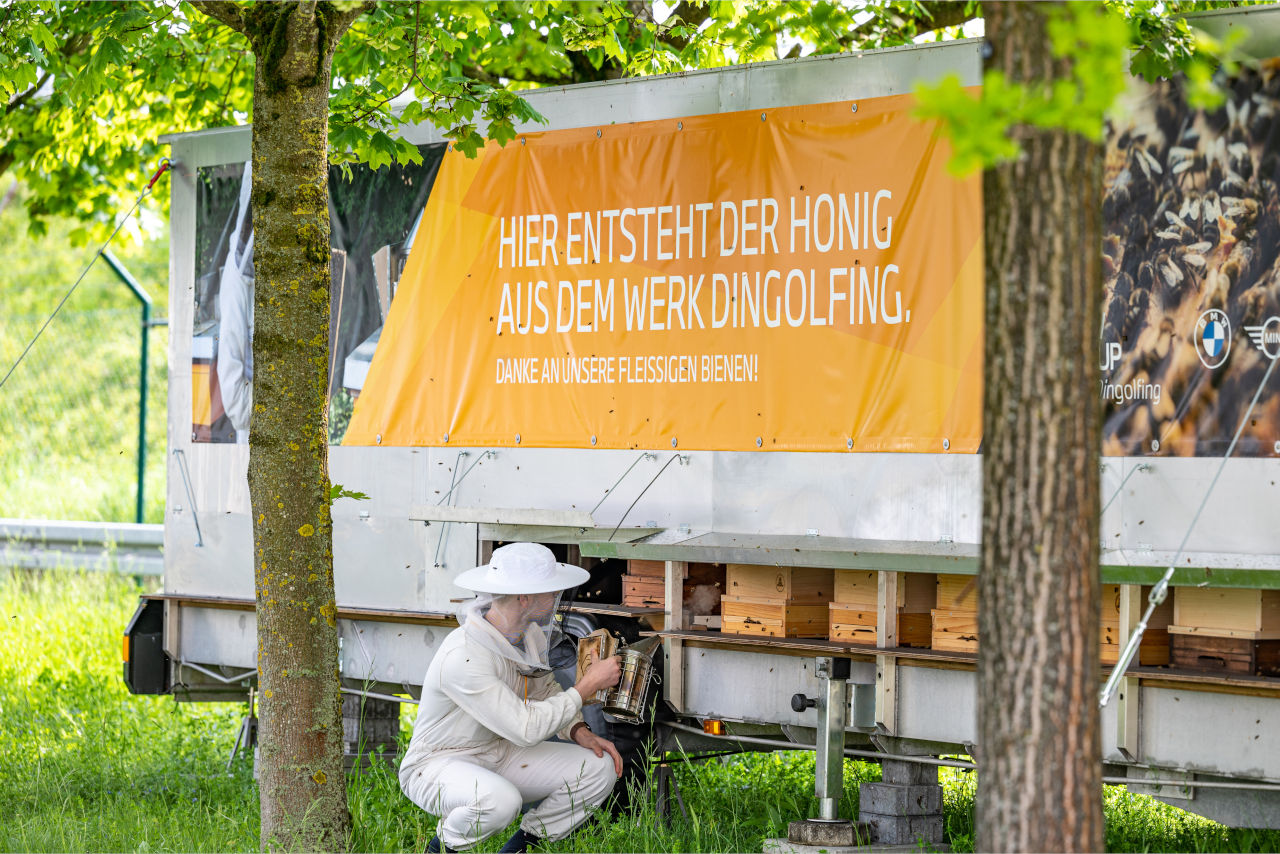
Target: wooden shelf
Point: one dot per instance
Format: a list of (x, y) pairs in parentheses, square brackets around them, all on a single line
[(817, 646), (380, 615), (610, 610), (1149, 675)]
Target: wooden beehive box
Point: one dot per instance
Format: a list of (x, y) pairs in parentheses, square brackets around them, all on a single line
[(954, 631), (644, 592), (1256, 612), (856, 587), (647, 568), (795, 584), (644, 584), (955, 615), (957, 593), (916, 590), (1154, 650), (1243, 655), (773, 617), (854, 609), (854, 624)]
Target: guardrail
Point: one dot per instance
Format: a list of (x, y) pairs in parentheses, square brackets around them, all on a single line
[(127, 548)]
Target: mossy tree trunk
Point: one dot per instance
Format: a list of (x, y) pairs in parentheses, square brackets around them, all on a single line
[(1039, 746), (301, 780)]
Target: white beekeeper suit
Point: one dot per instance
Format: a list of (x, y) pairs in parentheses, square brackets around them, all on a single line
[(235, 312), (489, 703)]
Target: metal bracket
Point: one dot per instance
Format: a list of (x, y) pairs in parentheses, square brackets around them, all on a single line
[(1127, 698), (887, 694), (673, 687)]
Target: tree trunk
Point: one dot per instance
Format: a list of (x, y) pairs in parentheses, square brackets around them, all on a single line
[(1040, 785), (302, 785)]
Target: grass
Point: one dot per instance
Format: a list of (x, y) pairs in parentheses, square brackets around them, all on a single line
[(89, 767)]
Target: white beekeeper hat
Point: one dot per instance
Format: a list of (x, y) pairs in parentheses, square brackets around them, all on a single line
[(522, 568)]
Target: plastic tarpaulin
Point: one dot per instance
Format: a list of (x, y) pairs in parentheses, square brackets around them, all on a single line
[(806, 278)]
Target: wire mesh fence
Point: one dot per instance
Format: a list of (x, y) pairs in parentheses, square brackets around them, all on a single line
[(69, 416)]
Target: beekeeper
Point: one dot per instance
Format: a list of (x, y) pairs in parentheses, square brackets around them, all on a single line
[(490, 702), (235, 313)]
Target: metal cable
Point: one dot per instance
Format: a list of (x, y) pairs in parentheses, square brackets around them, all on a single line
[(610, 490), (225, 680), (674, 457), (454, 480), (191, 498), (376, 696), (970, 766), (454, 484), (848, 751), (164, 167), (1161, 589), (1120, 488)]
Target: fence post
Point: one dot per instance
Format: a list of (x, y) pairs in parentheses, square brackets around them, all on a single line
[(145, 300)]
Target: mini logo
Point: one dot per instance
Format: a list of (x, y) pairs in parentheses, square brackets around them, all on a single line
[(1266, 337), (1213, 338)]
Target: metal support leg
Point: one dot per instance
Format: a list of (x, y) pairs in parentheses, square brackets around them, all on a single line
[(247, 737), (833, 713), (832, 719), (665, 780)]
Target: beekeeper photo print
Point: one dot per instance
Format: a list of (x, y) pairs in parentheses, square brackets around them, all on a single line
[(373, 219)]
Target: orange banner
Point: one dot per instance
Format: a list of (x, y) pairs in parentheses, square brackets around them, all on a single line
[(806, 278)]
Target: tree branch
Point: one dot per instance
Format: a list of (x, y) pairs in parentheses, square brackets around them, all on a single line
[(151, 24), (688, 14), (226, 12), (19, 100), (342, 22), (930, 16), (231, 82), (8, 13), (477, 73), (8, 195), (641, 11)]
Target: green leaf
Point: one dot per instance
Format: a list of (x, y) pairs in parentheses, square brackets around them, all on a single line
[(113, 51), (380, 150), (613, 46), (348, 138), (42, 34), (502, 131), (337, 491), (465, 139), (407, 152), (29, 46)]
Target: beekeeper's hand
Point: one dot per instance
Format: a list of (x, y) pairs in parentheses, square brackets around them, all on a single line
[(599, 674), (597, 745)]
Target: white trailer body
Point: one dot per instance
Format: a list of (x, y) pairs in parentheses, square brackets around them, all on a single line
[(396, 553)]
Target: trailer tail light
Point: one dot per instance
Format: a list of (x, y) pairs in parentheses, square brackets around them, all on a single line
[(146, 667), (713, 727)]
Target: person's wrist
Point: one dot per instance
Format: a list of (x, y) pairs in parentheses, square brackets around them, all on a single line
[(576, 729)]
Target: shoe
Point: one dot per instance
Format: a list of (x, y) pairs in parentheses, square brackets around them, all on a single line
[(434, 846), (521, 840)]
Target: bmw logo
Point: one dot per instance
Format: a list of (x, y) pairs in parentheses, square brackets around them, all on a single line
[(1213, 338)]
